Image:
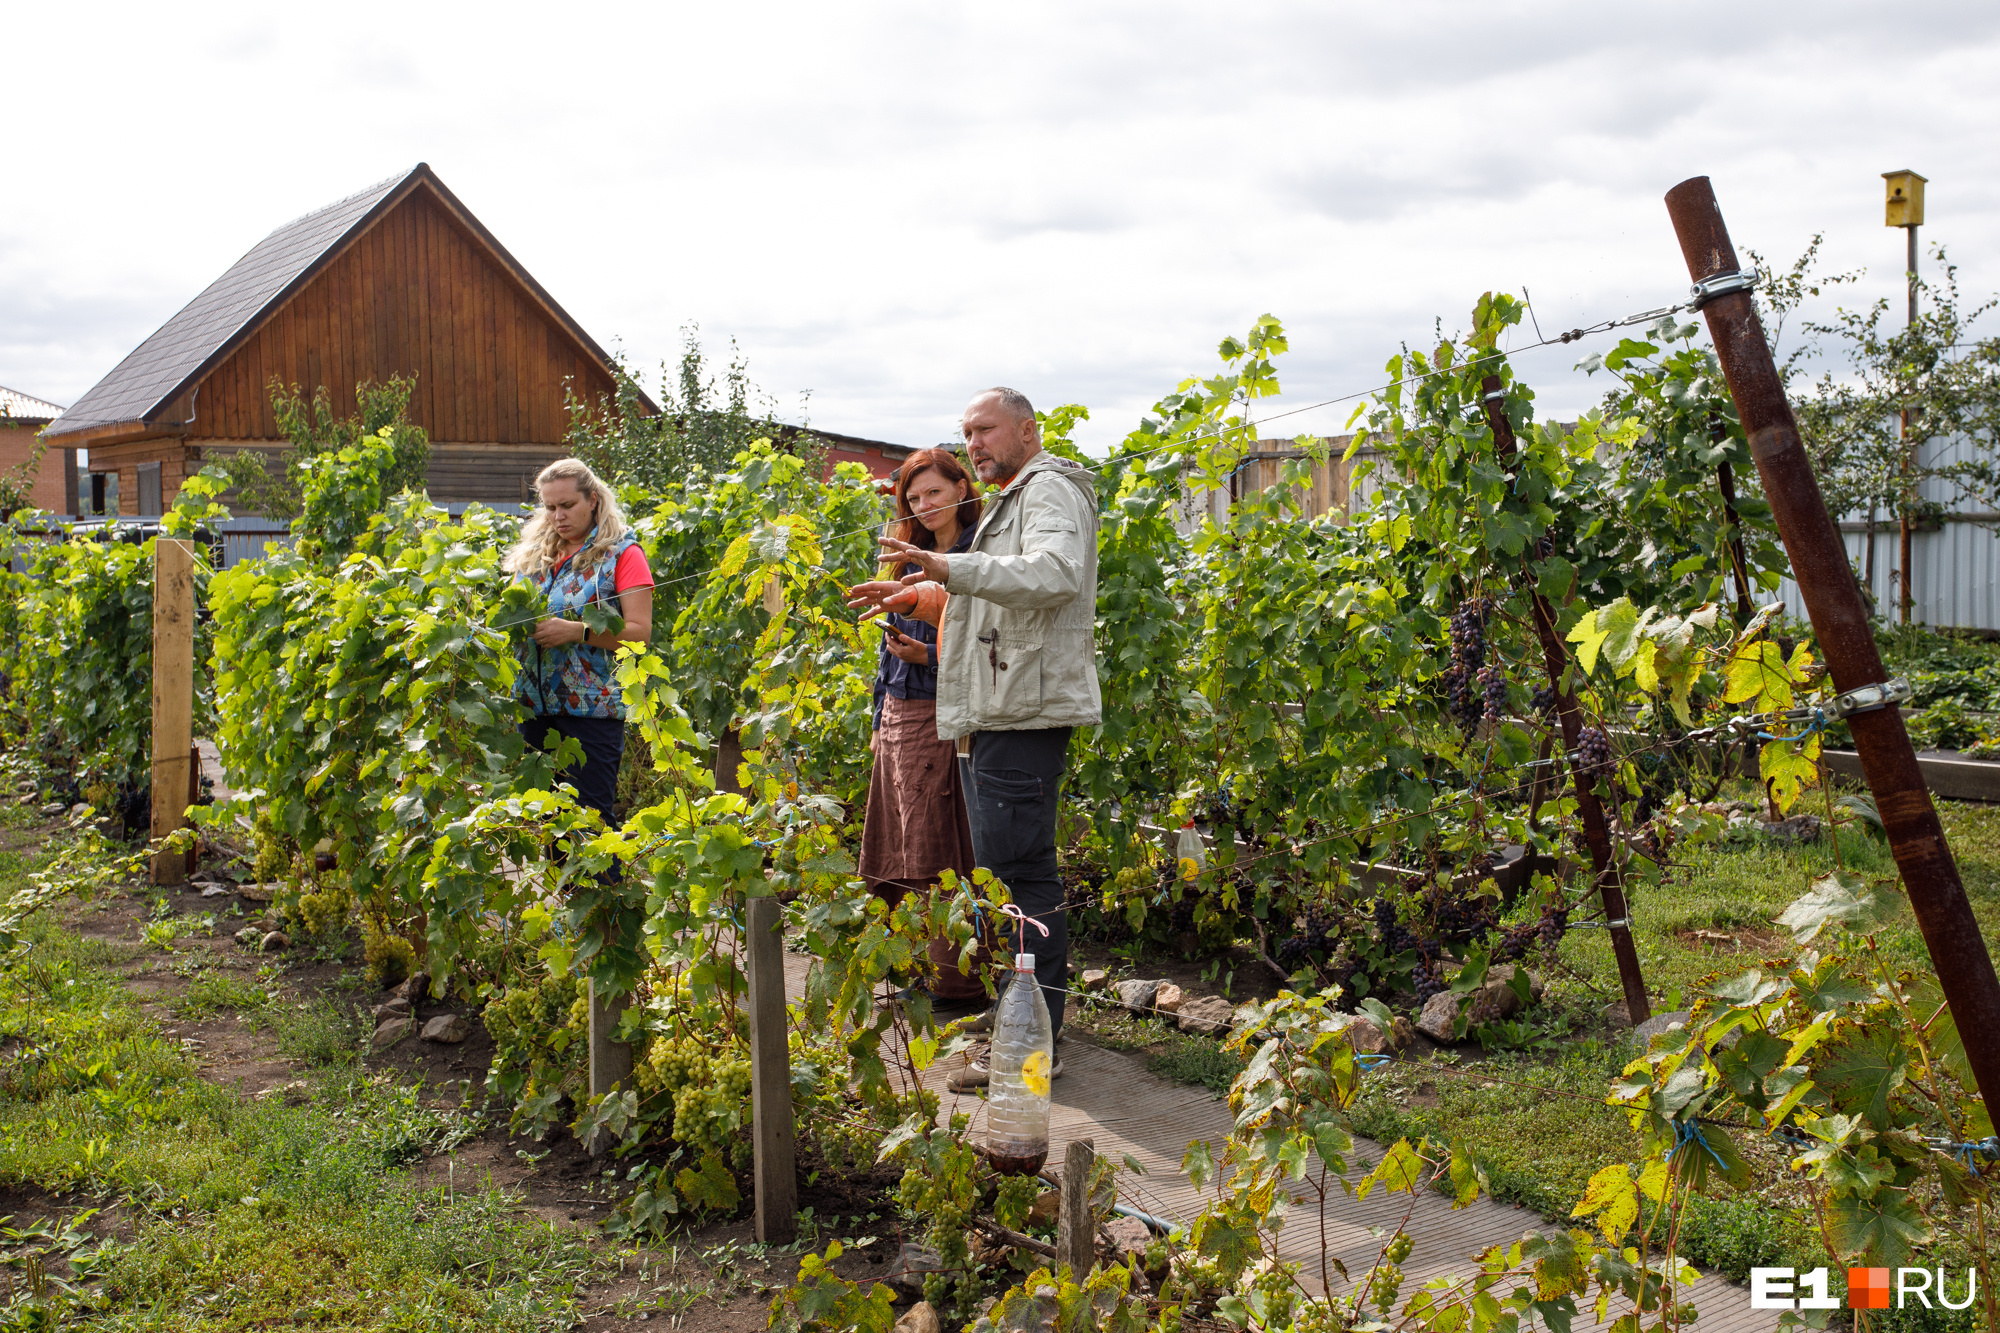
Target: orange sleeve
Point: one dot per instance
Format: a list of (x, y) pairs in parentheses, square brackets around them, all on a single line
[(925, 602), (922, 601), (929, 608)]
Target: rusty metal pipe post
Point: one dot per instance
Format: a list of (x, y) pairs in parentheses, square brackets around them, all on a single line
[(1605, 874), (1840, 619)]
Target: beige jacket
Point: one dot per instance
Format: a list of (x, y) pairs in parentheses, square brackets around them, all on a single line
[(1016, 650)]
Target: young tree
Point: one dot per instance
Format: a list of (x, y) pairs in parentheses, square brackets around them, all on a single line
[(699, 429), (314, 429), (1921, 404)]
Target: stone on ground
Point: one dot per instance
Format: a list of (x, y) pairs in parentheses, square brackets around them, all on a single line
[(1169, 998), (1093, 978), (394, 1007), (1659, 1024), (907, 1270), (275, 941), (1138, 995), (1799, 828), (1491, 1003), (1128, 1236), (920, 1318), (1439, 1019), (450, 1029), (1047, 1207), (1503, 973), (249, 936), (1367, 1037), (415, 987), (1208, 1016), (392, 1031)]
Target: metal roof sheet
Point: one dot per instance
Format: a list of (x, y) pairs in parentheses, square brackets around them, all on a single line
[(155, 370), (21, 407)]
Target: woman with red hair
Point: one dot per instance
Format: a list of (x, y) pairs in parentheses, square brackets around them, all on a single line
[(916, 825)]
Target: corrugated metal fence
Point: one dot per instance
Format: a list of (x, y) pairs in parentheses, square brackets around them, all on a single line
[(1954, 567)]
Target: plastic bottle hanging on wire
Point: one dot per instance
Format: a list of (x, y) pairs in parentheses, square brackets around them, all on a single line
[(1190, 851)]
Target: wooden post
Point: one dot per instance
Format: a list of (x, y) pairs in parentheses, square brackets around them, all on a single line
[(777, 1185), (1076, 1228), (610, 1061), (173, 696)]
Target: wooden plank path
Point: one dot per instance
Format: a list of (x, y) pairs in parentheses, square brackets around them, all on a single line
[(1111, 1098)]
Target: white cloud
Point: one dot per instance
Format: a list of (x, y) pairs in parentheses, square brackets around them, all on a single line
[(889, 205)]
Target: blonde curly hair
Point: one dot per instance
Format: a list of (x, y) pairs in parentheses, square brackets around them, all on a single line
[(540, 545)]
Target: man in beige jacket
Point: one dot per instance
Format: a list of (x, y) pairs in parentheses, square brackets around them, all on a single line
[(1017, 661)]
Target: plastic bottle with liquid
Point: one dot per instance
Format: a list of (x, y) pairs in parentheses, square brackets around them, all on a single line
[(1022, 1061)]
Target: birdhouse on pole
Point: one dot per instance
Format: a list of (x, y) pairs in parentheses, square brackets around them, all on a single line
[(1904, 200)]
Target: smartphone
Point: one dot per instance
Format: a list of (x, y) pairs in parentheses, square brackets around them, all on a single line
[(890, 630)]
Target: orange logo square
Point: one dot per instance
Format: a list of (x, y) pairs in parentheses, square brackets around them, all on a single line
[(1868, 1288)]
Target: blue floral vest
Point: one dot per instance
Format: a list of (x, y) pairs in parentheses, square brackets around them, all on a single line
[(575, 680)]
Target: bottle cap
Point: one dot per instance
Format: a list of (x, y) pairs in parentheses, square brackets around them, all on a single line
[(1024, 962)]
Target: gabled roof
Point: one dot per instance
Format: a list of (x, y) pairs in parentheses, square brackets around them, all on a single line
[(20, 409), (210, 327)]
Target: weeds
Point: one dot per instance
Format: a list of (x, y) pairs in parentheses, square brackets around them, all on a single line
[(212, 992), (316, 1031), (280, 1212)]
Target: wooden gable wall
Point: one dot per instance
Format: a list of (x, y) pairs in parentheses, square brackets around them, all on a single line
[(417, 295)]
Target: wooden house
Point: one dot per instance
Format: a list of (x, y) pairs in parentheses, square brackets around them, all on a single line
[(22, 418), (398, 279)]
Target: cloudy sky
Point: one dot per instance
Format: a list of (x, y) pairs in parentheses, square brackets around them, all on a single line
[(888, 205)]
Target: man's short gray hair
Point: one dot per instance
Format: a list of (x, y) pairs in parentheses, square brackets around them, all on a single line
[(1012, 399)]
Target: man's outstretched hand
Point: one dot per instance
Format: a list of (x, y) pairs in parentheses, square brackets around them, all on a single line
[(879, 596), (935, 568)]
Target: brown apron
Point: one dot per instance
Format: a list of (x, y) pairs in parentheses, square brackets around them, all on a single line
[(916, 824)]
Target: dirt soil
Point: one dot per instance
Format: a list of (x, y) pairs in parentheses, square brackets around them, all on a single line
[(554, 1179)]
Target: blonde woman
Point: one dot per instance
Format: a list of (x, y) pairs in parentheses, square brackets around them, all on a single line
[(575, 552)]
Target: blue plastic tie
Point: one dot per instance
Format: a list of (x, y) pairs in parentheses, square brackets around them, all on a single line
[(1686, 1132), (1818, 723), (1372, 1061), (1965, 1152)]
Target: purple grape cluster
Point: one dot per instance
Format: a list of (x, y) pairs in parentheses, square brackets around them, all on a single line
[(1519, 941), (1655, 841), (1396, 937), (1427, 979), (1493, 687), (1468, 634), (1465, 706), (1593, 752), (1468, 663), (1544, 701), (1314, 935)]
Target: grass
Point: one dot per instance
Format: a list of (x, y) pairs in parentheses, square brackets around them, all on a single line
[(1172, 1054), (256, 1213), (212, 992), (316, 1031), (1537, 1122)]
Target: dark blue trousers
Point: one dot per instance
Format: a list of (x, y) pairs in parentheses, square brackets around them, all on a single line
[(1013, 782)]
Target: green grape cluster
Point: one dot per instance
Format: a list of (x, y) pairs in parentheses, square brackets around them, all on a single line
[(709, 1116), (1127, 882), (1016, 1198), (552, 1012), (673, 1063)]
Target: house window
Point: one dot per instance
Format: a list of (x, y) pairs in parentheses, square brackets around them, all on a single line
[(103, 495), (149, 490)]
